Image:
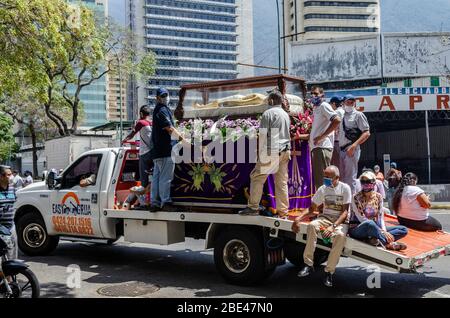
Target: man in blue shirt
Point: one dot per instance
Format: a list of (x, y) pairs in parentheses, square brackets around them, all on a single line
[(7, 211), (164, 136)]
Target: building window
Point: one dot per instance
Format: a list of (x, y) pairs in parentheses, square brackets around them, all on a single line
[(339, 4), (435, 81), (338, 16), (339, 29), (407, 83)]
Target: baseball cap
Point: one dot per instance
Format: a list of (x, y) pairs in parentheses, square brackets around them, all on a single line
[(368, 175), (336, 99), (349, 97), (162, 91)]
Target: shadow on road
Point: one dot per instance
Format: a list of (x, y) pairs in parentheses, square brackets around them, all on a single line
[(195, 271)]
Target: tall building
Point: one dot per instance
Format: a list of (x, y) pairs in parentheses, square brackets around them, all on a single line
[(195, 41), (116, 98), (318, 20), (93, 97)]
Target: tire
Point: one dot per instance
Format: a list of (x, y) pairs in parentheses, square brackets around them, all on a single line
[(34, 284), (239, 256), (32, 236), (294, 254)]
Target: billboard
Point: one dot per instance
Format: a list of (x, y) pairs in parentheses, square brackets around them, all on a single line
[(371, 57), (399, 99), (416, 55), (336, 60)]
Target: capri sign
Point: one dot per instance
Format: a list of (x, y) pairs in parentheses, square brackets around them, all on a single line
[(399, 99)]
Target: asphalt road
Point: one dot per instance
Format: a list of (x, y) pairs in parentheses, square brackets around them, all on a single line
[(186, 270)]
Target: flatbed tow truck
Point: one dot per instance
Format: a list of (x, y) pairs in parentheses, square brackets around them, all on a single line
[(247, 249)]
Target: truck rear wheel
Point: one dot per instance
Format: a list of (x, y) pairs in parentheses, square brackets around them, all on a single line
[(239, 256), (294, 254), (32, 236)]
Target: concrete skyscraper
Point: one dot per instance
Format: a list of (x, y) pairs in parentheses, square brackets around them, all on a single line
[(194, 41)]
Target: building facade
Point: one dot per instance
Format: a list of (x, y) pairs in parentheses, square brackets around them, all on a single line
[(116, 98), (94, 97), (194, 41), (316, 20)]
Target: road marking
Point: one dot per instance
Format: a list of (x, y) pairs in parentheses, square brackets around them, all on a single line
[(443, 212)]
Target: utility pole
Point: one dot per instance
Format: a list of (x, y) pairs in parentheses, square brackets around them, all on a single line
[(279, 37)]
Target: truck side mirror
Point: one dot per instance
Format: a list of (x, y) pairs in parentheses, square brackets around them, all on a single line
[(51, 180)]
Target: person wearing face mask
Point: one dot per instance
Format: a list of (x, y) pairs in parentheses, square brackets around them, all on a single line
[(367, 217), (412, 206), (353, 132), (335, 197), (336, 103), (7, 211), (164, 136), (378, 173), (321, 141)]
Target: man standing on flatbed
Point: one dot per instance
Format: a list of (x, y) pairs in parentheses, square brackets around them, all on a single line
[(277, 123)]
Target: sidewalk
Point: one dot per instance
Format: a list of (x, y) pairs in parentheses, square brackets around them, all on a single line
[(440, 205)]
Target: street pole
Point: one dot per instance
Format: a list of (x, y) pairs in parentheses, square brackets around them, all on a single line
[(120, 100), (427, 128), (279, 38)]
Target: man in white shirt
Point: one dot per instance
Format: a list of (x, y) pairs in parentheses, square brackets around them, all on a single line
[(321, 140), (336, 104), (332, 223), (17, 180), (354, 131), (276, 122)]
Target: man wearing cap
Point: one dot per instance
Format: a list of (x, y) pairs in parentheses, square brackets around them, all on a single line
[(164, 136), (354, 131), (273, 157), (336, 102), (321, 140)]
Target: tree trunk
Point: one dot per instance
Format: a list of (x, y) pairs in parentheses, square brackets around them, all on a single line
[(34, 148)]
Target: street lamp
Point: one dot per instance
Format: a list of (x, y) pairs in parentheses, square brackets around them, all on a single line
[(279, 37)]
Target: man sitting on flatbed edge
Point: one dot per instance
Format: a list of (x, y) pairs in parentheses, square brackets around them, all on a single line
[(336, 198)]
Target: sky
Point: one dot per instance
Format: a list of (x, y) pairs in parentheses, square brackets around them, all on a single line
[(396, 16)]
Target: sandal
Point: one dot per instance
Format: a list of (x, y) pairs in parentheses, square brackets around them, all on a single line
[(396, 246)]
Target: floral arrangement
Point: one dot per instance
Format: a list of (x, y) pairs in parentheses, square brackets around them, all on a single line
[(225, 128), (302, 124)]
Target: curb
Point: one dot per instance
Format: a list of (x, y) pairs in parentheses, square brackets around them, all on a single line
[(440, 207)]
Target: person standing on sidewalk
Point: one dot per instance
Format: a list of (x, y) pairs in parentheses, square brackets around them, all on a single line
[(276, 122), (332, 223), (164, 136), (353, 132), (144, 128), (321, 140)]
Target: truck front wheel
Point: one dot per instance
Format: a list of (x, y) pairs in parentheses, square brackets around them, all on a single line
[(239, 256), (32, 236)]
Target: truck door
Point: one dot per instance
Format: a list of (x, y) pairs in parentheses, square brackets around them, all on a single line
[(75, 204)]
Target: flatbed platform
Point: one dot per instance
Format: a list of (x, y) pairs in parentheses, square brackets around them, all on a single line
[(422, 246)]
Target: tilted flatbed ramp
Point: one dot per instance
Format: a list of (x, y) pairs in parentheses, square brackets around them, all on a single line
[(422, 247)]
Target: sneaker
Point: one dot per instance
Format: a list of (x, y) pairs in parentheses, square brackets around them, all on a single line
[(328, 280), (305, 271), (373, 241), (249, 212), (138, 190), (154, 208), (169, 207), (396, 246)]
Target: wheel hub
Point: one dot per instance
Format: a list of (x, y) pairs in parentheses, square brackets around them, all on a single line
[(34, 235), (236, 256)]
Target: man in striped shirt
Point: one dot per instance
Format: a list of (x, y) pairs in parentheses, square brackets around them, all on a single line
[(7, 199)]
